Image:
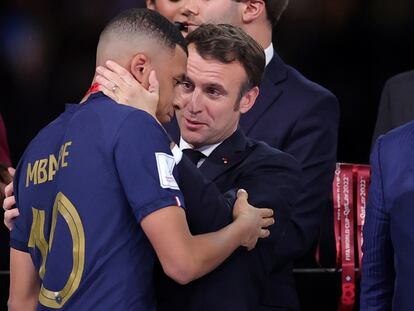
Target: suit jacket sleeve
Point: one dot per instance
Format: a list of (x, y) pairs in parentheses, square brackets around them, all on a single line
[(207, 209), (313, 143), (273, 182), (384, 123), (377, 284)]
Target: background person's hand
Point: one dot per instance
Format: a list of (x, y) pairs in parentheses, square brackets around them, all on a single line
[(10, 212), (6, 177)]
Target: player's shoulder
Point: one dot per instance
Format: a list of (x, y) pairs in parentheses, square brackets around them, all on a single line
[(116, 116), (49, 134)]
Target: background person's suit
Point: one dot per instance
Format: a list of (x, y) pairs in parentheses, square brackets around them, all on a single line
[(272, 179), (397, 104), (388, 248), (301, 118)]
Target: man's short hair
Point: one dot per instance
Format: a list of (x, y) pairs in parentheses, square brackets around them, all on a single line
[(149, 23), (275, 9), (227, 44)]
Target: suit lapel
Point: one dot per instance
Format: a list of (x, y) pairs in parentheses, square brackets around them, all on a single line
[(227, 155), (275, 73)]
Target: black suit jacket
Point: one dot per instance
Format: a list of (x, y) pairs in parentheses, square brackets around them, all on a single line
[(397, 104), (301, 118), (272, 179)]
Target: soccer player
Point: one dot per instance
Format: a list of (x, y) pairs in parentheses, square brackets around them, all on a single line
[(97, 193)]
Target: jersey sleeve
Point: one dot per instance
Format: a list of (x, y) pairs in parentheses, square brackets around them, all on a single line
[(145, 165)]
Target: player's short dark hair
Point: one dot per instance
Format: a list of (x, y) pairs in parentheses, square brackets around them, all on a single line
[(227, 43), (150, 23), (275, 9)]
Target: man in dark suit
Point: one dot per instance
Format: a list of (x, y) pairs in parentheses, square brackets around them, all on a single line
[(222, 84), (387, 263), (397, 104), (224, 70), (291, 113)]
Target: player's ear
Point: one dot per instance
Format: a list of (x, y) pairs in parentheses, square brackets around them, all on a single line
[(150, 4), (248, 99), (141, 69)]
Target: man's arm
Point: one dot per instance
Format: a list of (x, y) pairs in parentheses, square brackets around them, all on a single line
[(24, 282), (185, 257), (377, 283), (207, 208)]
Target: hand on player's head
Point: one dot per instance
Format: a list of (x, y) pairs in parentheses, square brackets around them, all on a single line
[(119, 84)]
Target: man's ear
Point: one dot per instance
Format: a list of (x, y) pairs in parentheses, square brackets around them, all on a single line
[(150, 4), (252, 10), (141, 68), (248, 99)]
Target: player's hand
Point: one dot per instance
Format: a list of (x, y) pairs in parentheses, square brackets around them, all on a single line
[(10, 212), (255, 220), (119, 84)]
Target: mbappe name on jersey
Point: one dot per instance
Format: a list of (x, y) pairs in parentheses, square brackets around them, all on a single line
[(44, 170)]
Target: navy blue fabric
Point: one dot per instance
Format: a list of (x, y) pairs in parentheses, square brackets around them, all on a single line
[(388, 248), (272, 179), (112, 180), (301, 118)]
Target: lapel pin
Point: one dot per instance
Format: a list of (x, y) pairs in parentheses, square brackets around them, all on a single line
[(225, 160)]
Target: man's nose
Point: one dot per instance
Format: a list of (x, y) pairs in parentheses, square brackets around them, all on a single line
[(193, 103)]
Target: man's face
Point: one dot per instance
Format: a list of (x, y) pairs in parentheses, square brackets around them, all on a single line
[(193, 13), (208, 100), (170, 70)]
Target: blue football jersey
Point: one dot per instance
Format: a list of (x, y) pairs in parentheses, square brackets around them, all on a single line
[(82, 187)]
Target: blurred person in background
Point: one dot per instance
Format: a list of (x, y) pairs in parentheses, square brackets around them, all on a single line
[(397, 104), (5, 162)]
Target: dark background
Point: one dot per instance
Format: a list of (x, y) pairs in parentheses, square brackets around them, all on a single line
[(349, 46)]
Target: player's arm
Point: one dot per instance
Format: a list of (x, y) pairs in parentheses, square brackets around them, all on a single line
[(185, 257), (24, 282)]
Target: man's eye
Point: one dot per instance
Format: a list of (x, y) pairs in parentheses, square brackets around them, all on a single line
[(213, 91), (186, 85)]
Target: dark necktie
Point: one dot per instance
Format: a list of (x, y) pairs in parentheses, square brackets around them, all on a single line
[(194, 155)]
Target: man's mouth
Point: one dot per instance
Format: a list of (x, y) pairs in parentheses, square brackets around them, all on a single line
[(193, 125)]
